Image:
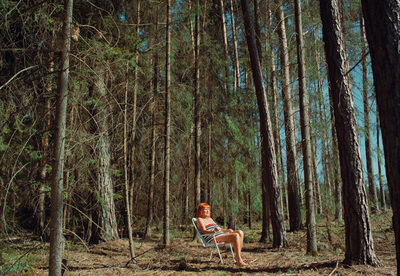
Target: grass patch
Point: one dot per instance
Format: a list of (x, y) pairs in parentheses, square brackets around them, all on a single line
[(17, 258), (14, 268)]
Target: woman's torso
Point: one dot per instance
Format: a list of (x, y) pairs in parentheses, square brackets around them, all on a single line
[(210, 225)]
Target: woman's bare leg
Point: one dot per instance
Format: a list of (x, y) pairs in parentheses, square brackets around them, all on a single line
[(235, 239), (241, 234)]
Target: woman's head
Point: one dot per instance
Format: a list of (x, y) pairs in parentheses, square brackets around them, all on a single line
[(201, 208)]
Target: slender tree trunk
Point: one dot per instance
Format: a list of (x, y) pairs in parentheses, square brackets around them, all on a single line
[(323, 115), (209, 156), (382, 26), (359, 242), (148, 232), (293, 181), (249, 205), (41, 214), (225, 41), (56, 226), (265, 233), (126, 178), (196, 201), (373, 197), (379, 154), (237, 82), (331, 158), (267, 140), (166, 235), (134, 112), (197, 121), (317, 185), (306, 136), (188, 172), (275, 105), (232, 185), (150, 201)]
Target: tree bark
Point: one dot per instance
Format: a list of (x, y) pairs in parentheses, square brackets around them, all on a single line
[(167, 172), (293, 181), (105, 207), (382, 26), (367, 123), (134, 112), (197, 121), (267, 140), (126, 178), (306, 136), (150, 201), (41, 214), (237, 82), (56, 225), (358, 240)]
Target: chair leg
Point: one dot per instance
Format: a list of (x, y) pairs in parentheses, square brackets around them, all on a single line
[(219, 253), (233, 254), (198, 257), (210, 254)]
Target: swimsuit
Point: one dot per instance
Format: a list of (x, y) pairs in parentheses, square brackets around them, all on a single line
[(209, 239)]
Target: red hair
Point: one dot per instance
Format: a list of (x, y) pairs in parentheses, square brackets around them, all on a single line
[(201, 207)]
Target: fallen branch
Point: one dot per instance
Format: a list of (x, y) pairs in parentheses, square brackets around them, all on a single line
[(333, 271), (252, 261), (13, 77), (134, 258)]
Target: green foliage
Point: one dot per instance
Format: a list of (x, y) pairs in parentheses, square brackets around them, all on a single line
[(116, 171), (19, 259), (118, 197), (16, 267)]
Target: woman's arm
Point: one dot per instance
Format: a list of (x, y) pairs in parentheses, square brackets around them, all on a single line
[(202, 227)]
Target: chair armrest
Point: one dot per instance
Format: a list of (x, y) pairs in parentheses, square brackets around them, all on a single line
[(207, 235)]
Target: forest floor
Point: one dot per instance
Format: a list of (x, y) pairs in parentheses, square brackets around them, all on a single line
[(113, 258)]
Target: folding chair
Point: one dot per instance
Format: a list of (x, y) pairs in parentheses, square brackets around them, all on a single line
[(205, 244)]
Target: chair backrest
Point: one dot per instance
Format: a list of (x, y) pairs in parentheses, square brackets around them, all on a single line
[(201, 236)]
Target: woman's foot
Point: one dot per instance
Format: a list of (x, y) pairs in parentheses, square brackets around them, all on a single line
[(240, 262)]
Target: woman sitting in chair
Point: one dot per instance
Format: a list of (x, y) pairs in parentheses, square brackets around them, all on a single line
[(207, 225)]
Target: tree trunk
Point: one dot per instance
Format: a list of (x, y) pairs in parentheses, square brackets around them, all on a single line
[(267, 140), (379, 155), (233, 184), (167, 172), (126, 178), (373, 197), (306, 136), (132, 186), (293, 181), (149, 222), (150, 214), (225, 41), (209, 155), (41, 214), (359, 242), (382, 27), (197, 121), (188, 174), (56, 226), (237, 81), (265, 233), (105, 208)]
